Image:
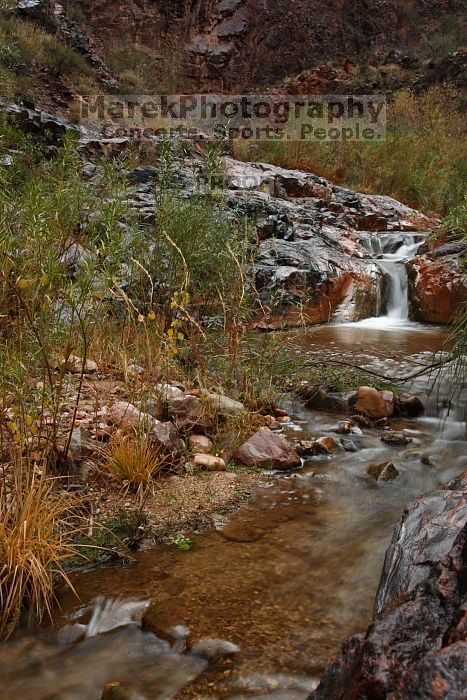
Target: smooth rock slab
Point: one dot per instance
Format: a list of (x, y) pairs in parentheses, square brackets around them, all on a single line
[(268, 450)]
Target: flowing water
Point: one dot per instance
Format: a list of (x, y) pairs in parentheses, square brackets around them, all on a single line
[(287, 579), (390, 253)]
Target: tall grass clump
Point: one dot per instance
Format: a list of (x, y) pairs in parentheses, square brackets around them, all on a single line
[(35, 533), (422, 161), (134, 461)]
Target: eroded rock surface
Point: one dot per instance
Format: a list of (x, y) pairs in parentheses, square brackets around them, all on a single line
[(416, 645)]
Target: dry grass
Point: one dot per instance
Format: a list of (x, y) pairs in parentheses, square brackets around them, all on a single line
[(421, 162), (134, 461), (35, 531)]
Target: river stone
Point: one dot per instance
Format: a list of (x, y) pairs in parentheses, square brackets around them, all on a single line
[(409, 406), (327, 445), (214, 649), (383, 472), (167, 391), (395, 439), (267, 450), (375, 404), (165, 435), (210, 462)]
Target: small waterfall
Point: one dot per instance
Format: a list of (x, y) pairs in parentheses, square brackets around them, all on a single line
[(390, 252)]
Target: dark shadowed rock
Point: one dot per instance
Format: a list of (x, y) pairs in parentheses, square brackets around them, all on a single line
[(383, 472), (267, 450), (416, 645), (395, 439)]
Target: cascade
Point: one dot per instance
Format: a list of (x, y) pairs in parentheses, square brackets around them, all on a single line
[(390, 252)]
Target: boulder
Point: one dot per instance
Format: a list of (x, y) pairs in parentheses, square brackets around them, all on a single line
[(416, 645), (438, 283), (200, 444), (210, 462), (375, 404), (383, 472), (267, 450), (321, 398)]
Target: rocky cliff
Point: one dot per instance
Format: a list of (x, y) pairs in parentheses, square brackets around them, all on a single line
[(235, 44)]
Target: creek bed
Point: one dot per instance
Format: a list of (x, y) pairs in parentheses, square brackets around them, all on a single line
[(287, 579)]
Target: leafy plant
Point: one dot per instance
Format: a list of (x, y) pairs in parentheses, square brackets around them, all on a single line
[(181, 542)]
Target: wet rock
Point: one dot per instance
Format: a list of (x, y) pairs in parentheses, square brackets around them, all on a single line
[(117, 690), (383, 472), (210, 462), (267, 450), (416, 645), (375, 404), (214, 650), (327, 445), (438, 284), (349, 446), (409, 406), (322, 399), (200, 444), (396, 439), (191, 413), (124, 414), (306, 448), (343, 428)]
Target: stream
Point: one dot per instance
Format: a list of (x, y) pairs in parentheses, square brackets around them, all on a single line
[(287, 578)]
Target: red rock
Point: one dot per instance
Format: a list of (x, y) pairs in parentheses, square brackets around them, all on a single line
[(375, 404), (438, 285), (124, 414), (327, 445), (268, 450)]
